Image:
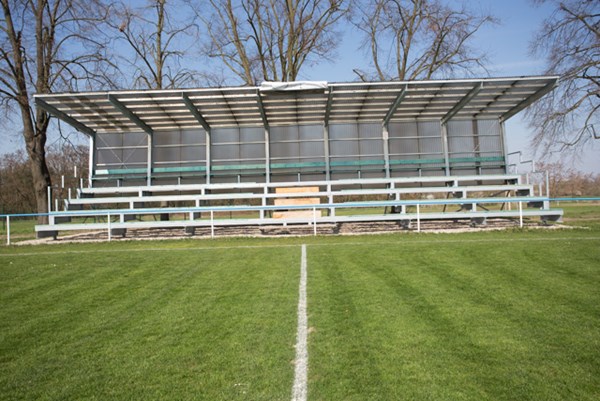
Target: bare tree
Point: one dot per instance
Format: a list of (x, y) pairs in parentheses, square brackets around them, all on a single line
[(18, 195), (46, 46), (565, 180), (568, 118), (418, 39), (157, 39), (271, 40)]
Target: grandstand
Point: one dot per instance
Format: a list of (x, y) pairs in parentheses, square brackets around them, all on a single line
[(298, 152)]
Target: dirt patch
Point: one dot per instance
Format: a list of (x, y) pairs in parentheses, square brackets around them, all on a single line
[(349, 228)]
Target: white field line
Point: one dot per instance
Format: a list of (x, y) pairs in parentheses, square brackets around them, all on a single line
[(214, 248), (300, 387), (157, 249)]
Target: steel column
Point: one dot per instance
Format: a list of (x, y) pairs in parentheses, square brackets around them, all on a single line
[(267, 155), (326, 152), (91, 160), (150, 157), (386, 150), (207, 144), (445, 148), (503, 145), (476, 145), (265, 122)]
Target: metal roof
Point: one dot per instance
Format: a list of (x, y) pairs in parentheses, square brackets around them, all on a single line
[(158, 110)]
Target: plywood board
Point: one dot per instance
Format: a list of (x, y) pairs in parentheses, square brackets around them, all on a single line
[(296, 201), (296, 214), (295, 190)]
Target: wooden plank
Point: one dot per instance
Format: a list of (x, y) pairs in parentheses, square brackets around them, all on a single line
[(296, 201), (296, 214), (295, 190)]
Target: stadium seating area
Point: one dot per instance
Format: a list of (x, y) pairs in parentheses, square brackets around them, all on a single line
[(473, 198), (245, 156)]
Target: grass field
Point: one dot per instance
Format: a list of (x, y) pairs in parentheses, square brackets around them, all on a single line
[(509, 315)]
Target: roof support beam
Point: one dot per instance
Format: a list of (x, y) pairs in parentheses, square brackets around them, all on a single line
[(328, 107), (395, 105), (129, 114), (261, 108), (65, 117), (463, 102), (529, 100), (194, 110)]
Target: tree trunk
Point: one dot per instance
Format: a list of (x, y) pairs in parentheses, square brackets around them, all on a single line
[(32, 60), (39, 173)]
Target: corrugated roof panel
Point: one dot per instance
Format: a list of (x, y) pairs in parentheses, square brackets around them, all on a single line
[(239, 106)]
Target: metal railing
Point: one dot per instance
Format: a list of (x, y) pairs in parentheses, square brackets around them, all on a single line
[(541, 178), (110, 214)]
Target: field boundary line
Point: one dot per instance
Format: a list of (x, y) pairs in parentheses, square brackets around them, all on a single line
[(455, 241), (300, 387), (196, 249)]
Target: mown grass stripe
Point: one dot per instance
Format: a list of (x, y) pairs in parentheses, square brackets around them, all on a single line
[(342, 243), (455, 321), (216, 325)]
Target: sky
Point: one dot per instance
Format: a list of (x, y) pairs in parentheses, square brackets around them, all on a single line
[(507, 44)]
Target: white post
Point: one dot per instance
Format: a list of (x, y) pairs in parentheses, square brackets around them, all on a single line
[(7, 230), (263, 202), (109, 229), (69, 193), (49, 199), (314, 221), (520, 214), (56, 204), (330, 200), (418, 219), (62, 181), (212, 224), (74, 171)]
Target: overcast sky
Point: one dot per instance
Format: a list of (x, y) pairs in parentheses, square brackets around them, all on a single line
[(506, 43)]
